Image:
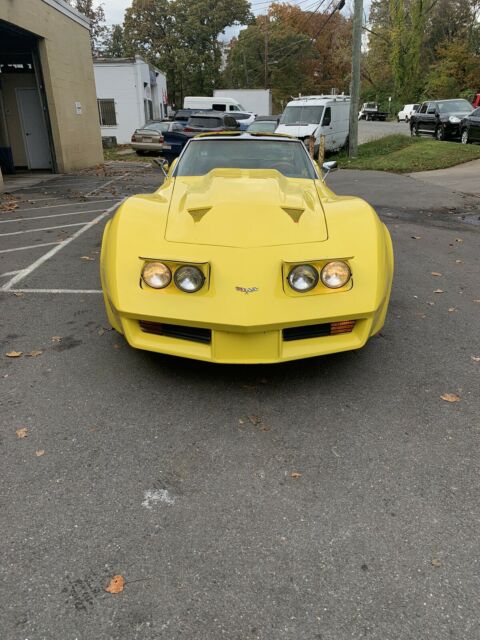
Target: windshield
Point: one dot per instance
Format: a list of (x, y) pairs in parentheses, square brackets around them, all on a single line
[(266, 127), (201, 156), (452, 106), (301, 115), (241, 116), (205, 123), (156, 126)]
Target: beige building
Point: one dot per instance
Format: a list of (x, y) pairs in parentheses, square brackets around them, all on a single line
[(48, 105)]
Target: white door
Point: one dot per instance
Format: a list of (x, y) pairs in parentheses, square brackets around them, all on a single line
[(34, 129)]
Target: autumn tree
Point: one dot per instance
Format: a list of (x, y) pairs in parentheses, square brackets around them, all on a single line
[(113, 44), (96, 15)]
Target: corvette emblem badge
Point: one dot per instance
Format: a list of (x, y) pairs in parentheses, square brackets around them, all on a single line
[(246, 289)]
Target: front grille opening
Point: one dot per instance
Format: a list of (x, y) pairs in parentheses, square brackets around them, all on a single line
[(194, 334), (318, 330)]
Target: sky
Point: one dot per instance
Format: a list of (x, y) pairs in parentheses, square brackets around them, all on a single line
[(115, 9)]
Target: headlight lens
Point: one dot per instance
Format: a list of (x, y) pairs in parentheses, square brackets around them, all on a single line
[(189, 278), (454, 119), (335, 274), (157, 275), (303, 278)]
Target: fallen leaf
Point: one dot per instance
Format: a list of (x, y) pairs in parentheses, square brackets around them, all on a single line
[(439, 291), (39, 452), (475, 358), (415, 237), (476, 300), (431, 303), (240, 421), (34, 354), (458, 240), (19, 294), (86, 258), (116, 346), (459, 261), (255, 419), (450, 309), (436, 273), (14, 354), (56, 339), (116, 585), (295, 475), (450, 397), (436, 562), (264, 428), (100, 331), (22, 432)]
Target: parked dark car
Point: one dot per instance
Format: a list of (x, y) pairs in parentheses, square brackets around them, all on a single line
[(198, 122), (470, 127), (210, 121), (149, 137), (264, 124), (440, 118)]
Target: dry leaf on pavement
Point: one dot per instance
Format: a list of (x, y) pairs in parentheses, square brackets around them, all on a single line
[(14, 354), (116, 585), (436, 273), (459, 261), (475, 358), (56, 339), (86, 258), (450, 309), (458, 240), (254, 419), (436, 562), (415, 237), (439, 291), (34, 354), (22, 432), (450, 397), (295, 475), (39, 452)]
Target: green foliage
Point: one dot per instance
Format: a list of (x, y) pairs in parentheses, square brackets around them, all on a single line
[(181, 38), (421, 49), (96, 15), (400, 154), (113, 45)]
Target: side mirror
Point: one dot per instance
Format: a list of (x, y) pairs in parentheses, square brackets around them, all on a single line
[(327, 167)]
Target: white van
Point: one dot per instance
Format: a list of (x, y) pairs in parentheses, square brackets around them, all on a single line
[(217, 103), (317, 115)]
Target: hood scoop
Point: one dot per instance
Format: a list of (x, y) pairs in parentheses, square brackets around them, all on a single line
[(197, 213), (294, 213), (245, 208)]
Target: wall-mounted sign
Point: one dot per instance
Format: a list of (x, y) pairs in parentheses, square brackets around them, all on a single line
[(78, 108)]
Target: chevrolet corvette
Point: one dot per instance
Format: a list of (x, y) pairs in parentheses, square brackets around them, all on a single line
[(244, 255)]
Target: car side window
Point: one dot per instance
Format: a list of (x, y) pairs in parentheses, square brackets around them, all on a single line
[(431, 108), (327, 117), (219, 107), (424, 108)]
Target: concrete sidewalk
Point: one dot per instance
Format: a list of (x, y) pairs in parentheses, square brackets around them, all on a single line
[(463, 178)]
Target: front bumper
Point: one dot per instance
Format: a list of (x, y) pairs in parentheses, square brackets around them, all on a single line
[(239, 345)]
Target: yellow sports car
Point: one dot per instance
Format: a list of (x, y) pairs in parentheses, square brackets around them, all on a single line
[(244, 255)]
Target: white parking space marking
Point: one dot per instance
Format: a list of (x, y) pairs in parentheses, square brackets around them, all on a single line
[(67, 204), (38, 263), (10, 273), (53, 215), (61, 226), (96, 291), (105, 184), (30, 246)]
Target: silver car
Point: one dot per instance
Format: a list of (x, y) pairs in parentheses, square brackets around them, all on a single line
[(149, 138)]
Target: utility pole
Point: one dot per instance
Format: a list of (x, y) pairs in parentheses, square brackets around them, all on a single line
[(266, 51), (355, 85)]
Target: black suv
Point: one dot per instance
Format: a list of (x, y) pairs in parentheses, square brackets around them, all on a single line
[(470, 127), (440, 118), (210, 121)]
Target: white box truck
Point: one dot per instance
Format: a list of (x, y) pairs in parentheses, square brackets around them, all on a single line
[(258, 101)]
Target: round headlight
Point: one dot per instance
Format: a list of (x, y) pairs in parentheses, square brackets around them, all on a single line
[(335, 274), (189, 278), (157, 275), (303, 278)]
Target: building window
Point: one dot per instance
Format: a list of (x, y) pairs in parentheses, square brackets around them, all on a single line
[(106, 113), (148, 108)]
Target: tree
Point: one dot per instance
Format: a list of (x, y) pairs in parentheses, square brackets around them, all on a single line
[(96, 15), (113, 45), (181, 37), (456, 71)]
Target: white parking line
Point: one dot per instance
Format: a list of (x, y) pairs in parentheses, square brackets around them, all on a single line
[(67, 204), (46, 256), (53, 215), (61, 226), (105, 184), (31, 246), (9, 273), (54, 291)]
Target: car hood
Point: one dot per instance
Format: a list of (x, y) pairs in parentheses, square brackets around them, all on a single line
[(455, 114), (245, 208)]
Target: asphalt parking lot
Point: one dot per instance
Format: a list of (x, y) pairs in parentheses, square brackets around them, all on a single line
[(326, 499)]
